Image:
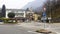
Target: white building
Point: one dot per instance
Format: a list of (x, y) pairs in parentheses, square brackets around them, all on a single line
[(18, 12)]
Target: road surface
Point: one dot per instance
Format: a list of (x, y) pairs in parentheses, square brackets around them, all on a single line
[(14, 29)]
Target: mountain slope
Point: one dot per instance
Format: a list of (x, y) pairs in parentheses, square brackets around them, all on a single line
[(35, 4)]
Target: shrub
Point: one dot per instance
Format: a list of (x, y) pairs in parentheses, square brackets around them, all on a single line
[(11, 15)]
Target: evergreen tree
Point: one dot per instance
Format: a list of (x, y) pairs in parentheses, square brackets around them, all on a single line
[(3, 11), (27, 9)]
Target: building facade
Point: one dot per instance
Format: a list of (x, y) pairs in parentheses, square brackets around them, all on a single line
[(18, 12)]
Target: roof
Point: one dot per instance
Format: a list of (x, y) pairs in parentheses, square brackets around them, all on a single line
[(16, 9)]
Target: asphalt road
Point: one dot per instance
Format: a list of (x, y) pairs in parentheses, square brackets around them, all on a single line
[(55, 27), (13, 29)]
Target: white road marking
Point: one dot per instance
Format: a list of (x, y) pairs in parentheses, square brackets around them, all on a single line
[(31, 31)]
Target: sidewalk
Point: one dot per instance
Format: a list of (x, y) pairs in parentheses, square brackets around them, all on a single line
[(36, 26)]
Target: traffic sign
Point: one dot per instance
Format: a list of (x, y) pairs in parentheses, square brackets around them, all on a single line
[(44, 9), (44, 14)]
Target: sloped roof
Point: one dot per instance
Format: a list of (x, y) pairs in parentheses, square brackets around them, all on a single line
[(17, 9)]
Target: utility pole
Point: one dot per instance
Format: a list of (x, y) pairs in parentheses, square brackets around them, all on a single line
[(50, 10)]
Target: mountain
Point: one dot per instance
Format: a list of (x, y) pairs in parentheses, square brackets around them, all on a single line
[(35, 4)]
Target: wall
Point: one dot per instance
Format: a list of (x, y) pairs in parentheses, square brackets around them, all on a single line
[(17, 13)]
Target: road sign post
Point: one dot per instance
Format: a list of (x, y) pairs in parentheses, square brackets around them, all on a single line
[(44, 17)]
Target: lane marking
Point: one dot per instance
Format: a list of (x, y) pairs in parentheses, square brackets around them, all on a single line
[(32, 32)]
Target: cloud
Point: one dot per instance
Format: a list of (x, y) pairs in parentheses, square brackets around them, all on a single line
[(14, 4)]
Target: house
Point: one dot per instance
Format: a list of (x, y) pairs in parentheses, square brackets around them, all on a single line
[(18, 12)]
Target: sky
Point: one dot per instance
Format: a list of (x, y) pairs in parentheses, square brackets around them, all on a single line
[(14, 4)]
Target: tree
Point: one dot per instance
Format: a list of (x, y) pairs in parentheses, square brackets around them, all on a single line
[(11, 15), (51, 7), (27, 9), (3, 11)]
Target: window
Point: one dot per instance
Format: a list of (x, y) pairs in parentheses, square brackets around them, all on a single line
[(19, 14)]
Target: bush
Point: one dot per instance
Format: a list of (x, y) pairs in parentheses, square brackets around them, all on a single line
[(11, 15), (8, 20), (5, 20)]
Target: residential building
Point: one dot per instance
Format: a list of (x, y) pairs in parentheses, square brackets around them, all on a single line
[(18, 12)]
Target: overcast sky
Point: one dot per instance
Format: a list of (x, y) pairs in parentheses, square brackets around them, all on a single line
[(14, 4)]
